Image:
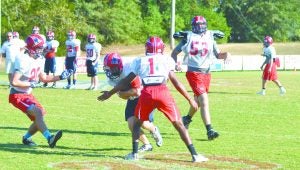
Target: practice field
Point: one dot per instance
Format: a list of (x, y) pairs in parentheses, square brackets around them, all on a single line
[(256, 132)]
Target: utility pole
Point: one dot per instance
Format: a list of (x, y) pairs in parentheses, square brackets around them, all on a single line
[(172, 31)]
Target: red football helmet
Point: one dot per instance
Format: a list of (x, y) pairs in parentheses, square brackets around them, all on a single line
[(91, 38), (35, 30), (50, 35), (113, 65), (35, 45), (199, 25), (154, 45), (71, 34), (268, 40), (16, 35)]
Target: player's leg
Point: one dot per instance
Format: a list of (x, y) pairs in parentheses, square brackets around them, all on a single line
[(282, 90), (154, 132), (95, 82), (53, 70), (135, 143)]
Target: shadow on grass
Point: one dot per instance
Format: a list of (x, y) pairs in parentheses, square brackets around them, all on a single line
[(59, 150), (73, 131)]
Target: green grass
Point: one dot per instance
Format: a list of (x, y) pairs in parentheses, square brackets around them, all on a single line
[(261, 129)]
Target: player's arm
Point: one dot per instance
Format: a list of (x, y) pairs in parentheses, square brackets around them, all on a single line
[(122, 84), (181, 89), (50, 78), (17, 82), (175, 53), (133, 92)]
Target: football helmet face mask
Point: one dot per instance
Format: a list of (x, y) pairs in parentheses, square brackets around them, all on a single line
[(35, 30), (91, 38), (268, 40), (154, 45), (50, 35), (35, 45), (71, 35), (113, 65), (199, 25), (16, 35)]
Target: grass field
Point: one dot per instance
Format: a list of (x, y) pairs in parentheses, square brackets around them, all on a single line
[(257, 132)]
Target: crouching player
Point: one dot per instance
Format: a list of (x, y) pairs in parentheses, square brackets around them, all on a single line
[(27, 72), (115, 71)]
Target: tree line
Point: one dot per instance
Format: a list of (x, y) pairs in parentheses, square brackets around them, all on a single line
[(133, 21)]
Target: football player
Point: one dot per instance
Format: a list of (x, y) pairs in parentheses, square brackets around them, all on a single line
[(155, 70), (50, 53), (115, 71), (200, 48), (27, 72), (269, 66), (92, 49), (73, 51)]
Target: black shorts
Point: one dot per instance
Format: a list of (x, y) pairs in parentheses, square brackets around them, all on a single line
[(91, 69), (71, 63), (50, 65)]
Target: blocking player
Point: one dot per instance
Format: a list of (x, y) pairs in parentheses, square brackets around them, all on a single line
[(73, 51), (92, 49), (270, 63), (27, 73), (199, 48), (50, 54), (115, 71), (155, 70)]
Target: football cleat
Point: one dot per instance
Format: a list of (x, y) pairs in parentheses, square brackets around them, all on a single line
[(54, 138), (157, 137), (186, 121), (282, 91), (28, 142), (263, 93), (146, 147), (212, 134), (199, 158), (132, 156), (67, 86)]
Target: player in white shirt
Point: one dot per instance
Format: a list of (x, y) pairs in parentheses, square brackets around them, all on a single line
[(73, 51), (269, 67), (115, 71), (92, 49), (155, 70), (50, 55), (10, 49), (199, 48), (28, 71)]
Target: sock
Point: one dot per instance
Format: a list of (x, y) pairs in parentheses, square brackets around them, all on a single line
[(69, 81), (74, 81), (189, 117), (135, 146), (27, 135), (47, 134), (192, 149), (208, 127)]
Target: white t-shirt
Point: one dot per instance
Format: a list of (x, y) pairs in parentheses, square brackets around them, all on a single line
[(73, 47), (11, 49)]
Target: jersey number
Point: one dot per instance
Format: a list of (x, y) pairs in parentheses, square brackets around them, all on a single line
[(34, 74), (196, 48), (69, 48), (90, 52)]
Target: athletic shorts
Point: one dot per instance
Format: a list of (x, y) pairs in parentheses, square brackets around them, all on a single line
[(130, 107), (270, 75), (91, 69), (199, 82), (71, 63), (9, 66), (23, 101), (50, 65), (159, 97)]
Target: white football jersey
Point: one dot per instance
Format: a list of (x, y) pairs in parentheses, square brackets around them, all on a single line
[(92, 50), (52, 44), (153, 69), (72, 45), (29, 68), (200, 49), (11, 49), (269, 52)]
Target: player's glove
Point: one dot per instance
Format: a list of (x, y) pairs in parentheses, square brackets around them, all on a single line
[(33, 84), (180, 34), (66, 74), (218, 34)]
